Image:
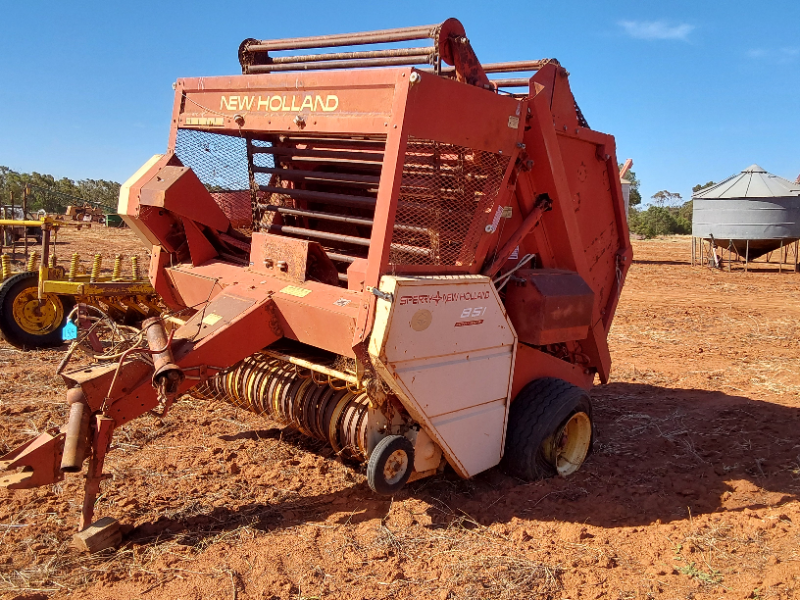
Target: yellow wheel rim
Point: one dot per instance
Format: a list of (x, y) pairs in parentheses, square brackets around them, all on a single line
[(35, 318), (568, 447)]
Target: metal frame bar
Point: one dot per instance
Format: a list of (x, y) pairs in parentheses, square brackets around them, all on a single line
[(400, 34)]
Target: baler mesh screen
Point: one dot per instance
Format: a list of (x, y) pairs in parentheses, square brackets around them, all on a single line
[(220, 162), (446, 198)]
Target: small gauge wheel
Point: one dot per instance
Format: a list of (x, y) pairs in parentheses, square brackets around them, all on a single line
[(390, 465)]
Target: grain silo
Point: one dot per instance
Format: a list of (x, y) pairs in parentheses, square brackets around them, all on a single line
[(751, 213)]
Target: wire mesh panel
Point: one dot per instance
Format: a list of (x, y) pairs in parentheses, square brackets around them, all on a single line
[(446, 197), (220, 162), (262, 218)]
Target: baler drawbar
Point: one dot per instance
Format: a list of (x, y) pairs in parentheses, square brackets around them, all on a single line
[(385, 249)]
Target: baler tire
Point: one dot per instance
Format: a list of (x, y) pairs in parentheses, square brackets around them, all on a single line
[(379, 469), (15, 332), (540, 411)]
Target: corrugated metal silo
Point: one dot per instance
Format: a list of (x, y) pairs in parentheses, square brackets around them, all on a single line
[(751, 213)]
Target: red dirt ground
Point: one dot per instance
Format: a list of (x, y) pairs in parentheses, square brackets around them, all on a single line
[(692, 490)]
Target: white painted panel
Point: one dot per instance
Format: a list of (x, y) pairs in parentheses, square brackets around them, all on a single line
[(475, 435), (444, 316), (446, 384), (123, 207), (445, 346)]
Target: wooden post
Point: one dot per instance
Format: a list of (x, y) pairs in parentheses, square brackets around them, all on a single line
[(693, 250), (780, 259), (796, 251)]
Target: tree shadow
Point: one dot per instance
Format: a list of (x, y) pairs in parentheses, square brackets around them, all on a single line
[(660, 454)]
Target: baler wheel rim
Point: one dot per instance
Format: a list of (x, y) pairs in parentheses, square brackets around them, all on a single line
[(537, 420), (390, 465), (570, 445), (395, 466)]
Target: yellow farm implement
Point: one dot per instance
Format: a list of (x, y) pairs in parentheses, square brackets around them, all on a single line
[(35, 303)]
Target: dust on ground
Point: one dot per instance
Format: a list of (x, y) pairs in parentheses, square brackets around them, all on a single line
[(692, 490)]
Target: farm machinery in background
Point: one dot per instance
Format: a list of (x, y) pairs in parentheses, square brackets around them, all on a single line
[(36, 303), (429, 276)]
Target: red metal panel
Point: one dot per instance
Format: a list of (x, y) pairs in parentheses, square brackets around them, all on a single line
[(192, 288), (200, 248), (178, 190), (561, 225), (532, 364), (353, 102), (447, 111), (547, 306)]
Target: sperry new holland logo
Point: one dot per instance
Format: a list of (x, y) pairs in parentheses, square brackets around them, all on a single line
[(280, 103)]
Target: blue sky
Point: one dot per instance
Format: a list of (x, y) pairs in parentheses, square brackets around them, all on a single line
[(692, 91)]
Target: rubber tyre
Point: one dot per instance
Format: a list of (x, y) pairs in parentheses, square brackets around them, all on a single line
[(538, 412), (376, 467), (11, 330)]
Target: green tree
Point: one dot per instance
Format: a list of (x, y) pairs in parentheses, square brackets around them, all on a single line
[(685, 212), (635, 198), (703, 186), (665, 198), (54, 195), (658, 220)]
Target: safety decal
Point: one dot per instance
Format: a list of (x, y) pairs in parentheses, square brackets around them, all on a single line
[(294, 290)]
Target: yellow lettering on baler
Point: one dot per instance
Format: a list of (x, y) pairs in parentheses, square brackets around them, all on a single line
[(309, 102), (331, 103)]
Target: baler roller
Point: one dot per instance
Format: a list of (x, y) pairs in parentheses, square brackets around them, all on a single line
[(320, 176), (326, 197), (285, 393), (315, 214)]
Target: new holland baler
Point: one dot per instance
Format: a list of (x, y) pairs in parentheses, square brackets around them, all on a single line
[(383, 248)]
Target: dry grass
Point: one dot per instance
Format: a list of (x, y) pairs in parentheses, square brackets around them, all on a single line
[(292, 521)]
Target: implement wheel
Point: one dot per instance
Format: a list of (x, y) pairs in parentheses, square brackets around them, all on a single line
[(550, 430), (24, 322), (390, 465)]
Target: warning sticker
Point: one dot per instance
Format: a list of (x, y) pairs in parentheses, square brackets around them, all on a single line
[(294, 290), (468, 323), (211, 319), (513, 122)]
